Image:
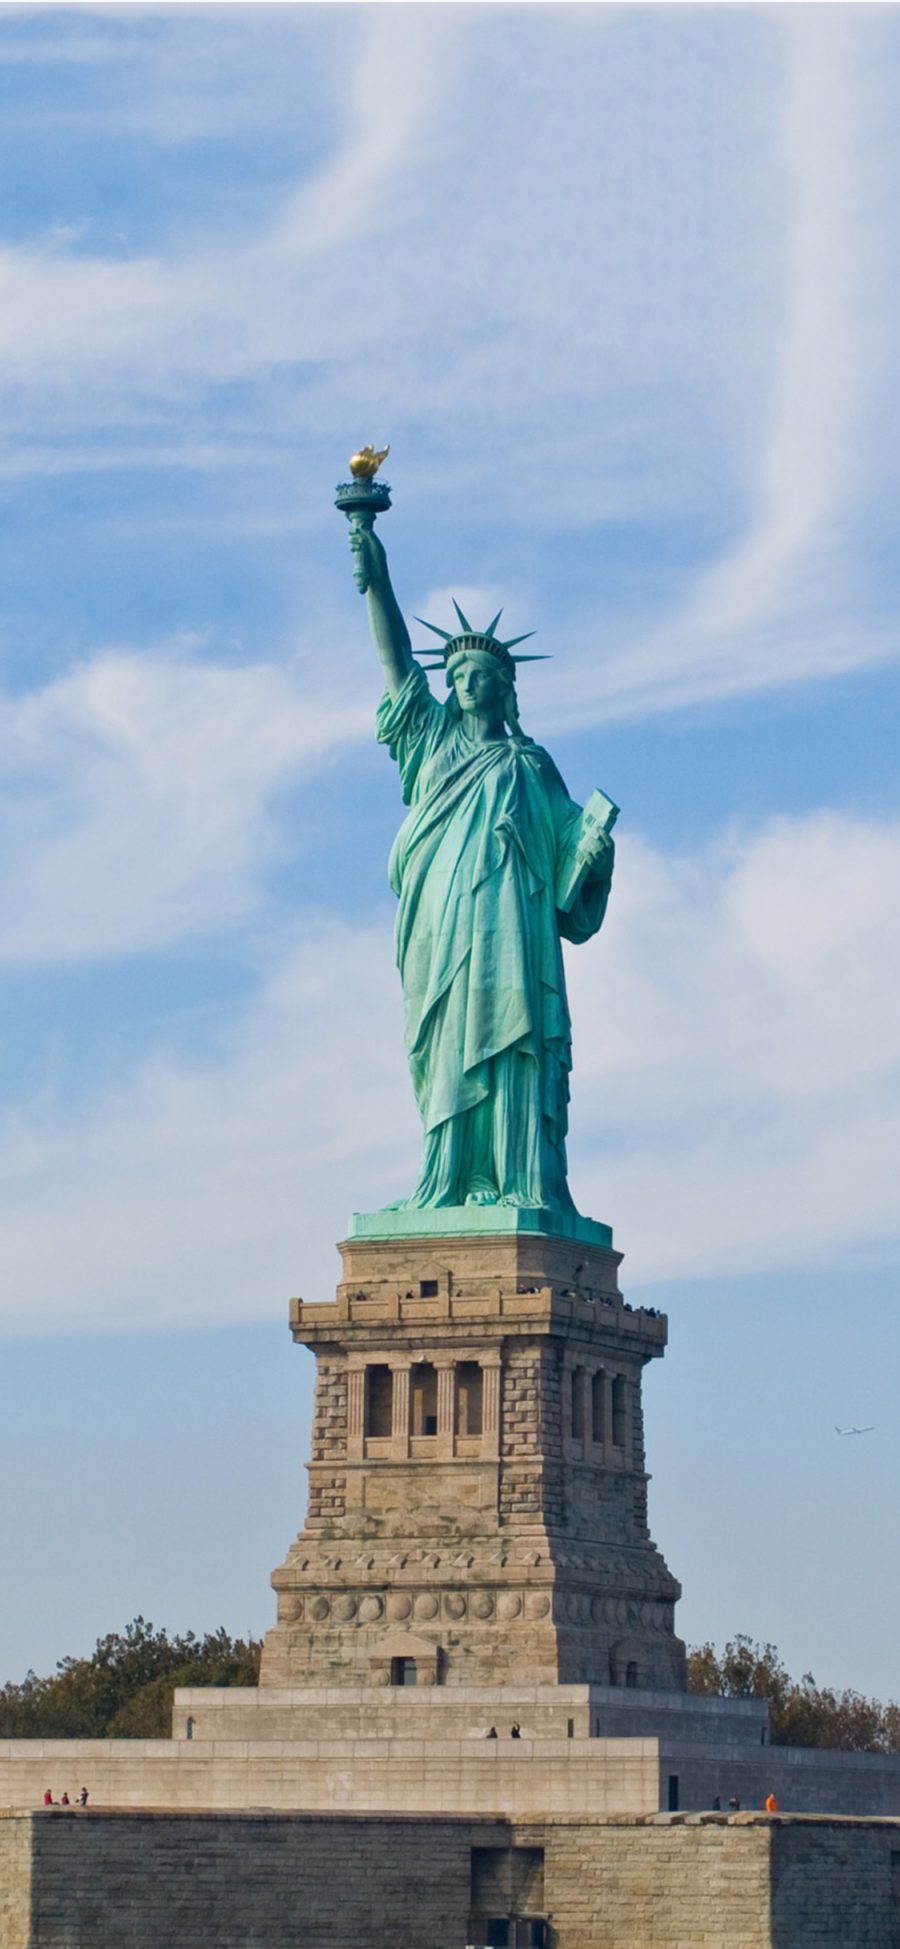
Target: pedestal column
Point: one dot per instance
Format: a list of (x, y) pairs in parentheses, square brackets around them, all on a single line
[(356, 1412), (490, 1407), (400, 1411), (446, 1405)]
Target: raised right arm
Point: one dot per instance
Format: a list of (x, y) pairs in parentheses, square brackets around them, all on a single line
[(389, 631)]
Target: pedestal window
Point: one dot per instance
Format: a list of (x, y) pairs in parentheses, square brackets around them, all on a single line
[(620, 1411), (469, 1398), (577, 1384), (598, 1407), (379, 1402), (424, 1399), (403, 1671)]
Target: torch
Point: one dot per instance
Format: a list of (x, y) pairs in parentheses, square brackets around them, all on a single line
[(363, 497)]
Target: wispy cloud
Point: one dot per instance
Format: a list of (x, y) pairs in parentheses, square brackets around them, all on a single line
[(396, 87), (232, 305), (808, 460), (772, 609), (138, 792)]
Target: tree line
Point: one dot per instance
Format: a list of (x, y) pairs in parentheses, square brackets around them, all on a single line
[(124, 1690), (801, 1713)]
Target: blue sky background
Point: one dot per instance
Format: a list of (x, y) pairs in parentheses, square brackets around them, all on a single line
[(620, 285)]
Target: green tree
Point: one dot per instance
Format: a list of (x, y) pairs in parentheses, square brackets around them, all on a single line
[(124, 1690)]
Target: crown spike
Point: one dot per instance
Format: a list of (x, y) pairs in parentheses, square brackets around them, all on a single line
[(435, 629), (491, 628), (463, 619), (517, 639)]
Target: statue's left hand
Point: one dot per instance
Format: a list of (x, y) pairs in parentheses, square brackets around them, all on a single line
[(598, 852)]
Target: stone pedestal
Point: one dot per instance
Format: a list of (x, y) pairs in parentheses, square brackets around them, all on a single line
[(478, 1497)]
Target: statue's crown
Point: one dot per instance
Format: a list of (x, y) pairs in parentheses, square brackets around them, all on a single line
[(468, 640)]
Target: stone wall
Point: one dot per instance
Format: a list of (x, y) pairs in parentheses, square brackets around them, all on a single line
[(616, 1713), (328, 1483), (430, 1712), (439, 1712), (804, 1779), (435, 1770), (835, 1882), (15, 1881), (207, 1881), (740, 1883), (660, 1887), (477, 1776), (268, 1881)]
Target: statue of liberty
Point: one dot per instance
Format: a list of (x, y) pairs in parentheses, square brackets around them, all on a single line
[(494, 865)]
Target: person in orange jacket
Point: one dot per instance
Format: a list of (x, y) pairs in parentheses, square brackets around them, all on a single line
[(771, 1804)]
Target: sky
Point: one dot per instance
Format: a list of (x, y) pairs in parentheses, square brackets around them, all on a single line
[(620, 286)]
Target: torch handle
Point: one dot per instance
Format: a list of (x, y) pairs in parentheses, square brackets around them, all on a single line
[(360, 523)]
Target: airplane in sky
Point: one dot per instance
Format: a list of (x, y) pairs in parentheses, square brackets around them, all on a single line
[(855, 1431)]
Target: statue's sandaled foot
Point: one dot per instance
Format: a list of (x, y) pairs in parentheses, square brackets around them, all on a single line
[(483, 1193)]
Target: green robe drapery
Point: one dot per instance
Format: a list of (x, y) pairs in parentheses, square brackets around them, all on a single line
[(488, 1031)]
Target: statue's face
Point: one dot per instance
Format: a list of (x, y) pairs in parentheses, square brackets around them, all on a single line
[(477, 687)]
